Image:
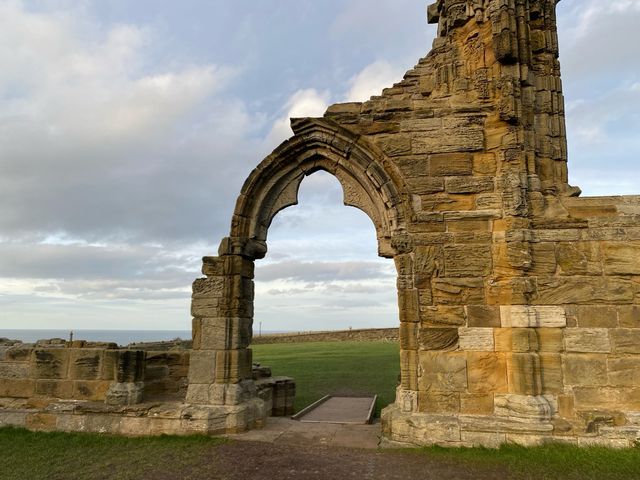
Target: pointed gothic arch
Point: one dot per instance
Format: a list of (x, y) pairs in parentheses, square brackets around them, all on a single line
[(369, 182)]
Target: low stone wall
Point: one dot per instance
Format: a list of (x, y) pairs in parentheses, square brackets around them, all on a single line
[(361, 335), (98, 387), (57, 370), (150, 418)]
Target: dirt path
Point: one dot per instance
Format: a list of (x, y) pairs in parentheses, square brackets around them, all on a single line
[(268, 461)]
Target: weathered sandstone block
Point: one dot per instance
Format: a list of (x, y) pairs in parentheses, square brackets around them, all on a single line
[(623, 371), (523, 373), (442, 372), (585, 369), (579, 258), (607, 398), (625, 340), (451, 164), (458, 291), (583, 290), (629, 316), (597, 316), (487, 373), (85, 364), (622, 258), (587, 340), (551, 375), (443, 315), (50, 363), (483, 316), (520, 340), (461, 261), (477, 339), (439, 338), (54, 388), (533, 316)]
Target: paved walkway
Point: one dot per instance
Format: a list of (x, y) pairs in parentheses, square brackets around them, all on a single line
[(286, 431), (353, 410)]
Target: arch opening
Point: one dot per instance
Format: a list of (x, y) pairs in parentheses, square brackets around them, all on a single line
[(320, 251), (322, 273)]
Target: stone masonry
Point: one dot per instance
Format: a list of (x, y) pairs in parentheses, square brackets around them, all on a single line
[(100, 387), (519, 301)]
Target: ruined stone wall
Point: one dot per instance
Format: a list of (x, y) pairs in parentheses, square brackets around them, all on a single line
[(28, 371), (86, 371), (518, 301), (519, 304), (99, 387)]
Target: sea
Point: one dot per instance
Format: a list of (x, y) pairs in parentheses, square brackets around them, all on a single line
[(121, 337)]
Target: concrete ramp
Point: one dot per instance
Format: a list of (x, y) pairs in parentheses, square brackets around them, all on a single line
[(334, 409)]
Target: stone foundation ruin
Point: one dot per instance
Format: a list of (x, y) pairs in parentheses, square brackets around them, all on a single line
[(519, 300), (100, 387)]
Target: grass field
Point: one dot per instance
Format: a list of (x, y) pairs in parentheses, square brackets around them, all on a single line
[(550, 462), (326, 368), (61, 456)]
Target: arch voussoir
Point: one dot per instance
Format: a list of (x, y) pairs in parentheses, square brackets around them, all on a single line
[(319, 144)]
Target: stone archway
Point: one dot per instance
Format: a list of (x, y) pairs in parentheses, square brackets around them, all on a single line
[(222, 305), (367, 179)]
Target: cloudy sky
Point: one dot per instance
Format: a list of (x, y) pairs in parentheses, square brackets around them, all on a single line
[(127, 129)]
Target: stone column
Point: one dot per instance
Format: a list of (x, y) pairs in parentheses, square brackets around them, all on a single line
[(222, 310)]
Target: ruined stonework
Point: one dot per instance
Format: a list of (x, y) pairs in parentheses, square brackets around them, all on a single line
[(100, 387), (519, 301)]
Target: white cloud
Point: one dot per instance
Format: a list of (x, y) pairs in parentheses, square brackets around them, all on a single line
[(372, 80), (97, 141), (302, 271), (598, 38), (599, 61), (60, 87), (303, 103)]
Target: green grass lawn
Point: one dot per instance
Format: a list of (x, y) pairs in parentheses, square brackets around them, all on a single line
[(550, 462), (326, 368), (62, 456)]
